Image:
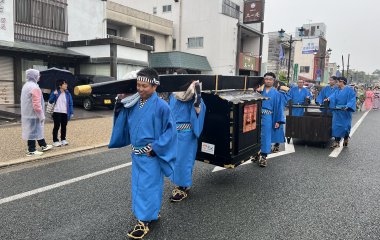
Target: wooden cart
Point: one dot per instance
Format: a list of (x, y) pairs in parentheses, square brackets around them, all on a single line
[(312, 127)]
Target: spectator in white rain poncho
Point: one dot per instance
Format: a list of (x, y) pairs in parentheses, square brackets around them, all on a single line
[(32, 114)]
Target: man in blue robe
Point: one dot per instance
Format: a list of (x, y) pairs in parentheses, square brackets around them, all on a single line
[(299, 96), (145, 121), (327, 91), (272, 116), (188, 111), (345, 99)]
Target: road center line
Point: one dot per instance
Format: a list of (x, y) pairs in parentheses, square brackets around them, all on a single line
[(335, 153), (61, 184)]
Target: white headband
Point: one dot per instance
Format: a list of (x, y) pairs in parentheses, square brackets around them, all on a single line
[(148, 80)]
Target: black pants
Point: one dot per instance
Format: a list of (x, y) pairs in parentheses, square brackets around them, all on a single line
[(32, 144), (60, 121)]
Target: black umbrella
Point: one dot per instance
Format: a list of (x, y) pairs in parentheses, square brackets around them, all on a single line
[(49, 77)]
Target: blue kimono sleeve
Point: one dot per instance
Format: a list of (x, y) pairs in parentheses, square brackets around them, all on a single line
[(284, 98), (165, 144), (197, 120), (278, 110), (351, 101), (120, 131), (321, 96), (290, 94), (166, 132), (309, 94), (332, 99)]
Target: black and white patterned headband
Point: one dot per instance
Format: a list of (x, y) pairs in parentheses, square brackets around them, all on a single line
[(148, 80)]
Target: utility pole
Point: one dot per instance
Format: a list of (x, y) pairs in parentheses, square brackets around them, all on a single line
[(290, 56), (348, 65), (290, 41)]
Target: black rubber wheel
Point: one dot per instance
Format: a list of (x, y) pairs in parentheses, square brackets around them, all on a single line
[(288, 140), (87, 104)]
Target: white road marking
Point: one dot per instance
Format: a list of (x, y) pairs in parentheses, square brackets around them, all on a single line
[(335, 153), (60, 184), (289, 148)]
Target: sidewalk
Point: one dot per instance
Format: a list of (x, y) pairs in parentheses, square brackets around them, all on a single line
[(12, 113), (81, 135)]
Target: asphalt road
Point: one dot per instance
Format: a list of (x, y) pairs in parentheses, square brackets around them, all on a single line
[(302, 195)]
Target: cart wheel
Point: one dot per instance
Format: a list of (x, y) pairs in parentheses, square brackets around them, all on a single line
[(288, 140), (324, 145)]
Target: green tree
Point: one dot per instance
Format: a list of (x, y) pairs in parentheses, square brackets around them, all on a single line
[(376, 72), (282, 76)]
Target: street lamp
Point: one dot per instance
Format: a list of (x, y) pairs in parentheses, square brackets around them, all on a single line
[(325, 55), (281, 35), (315, 51)]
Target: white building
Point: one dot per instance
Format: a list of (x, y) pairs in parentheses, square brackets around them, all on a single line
[(275, 55), (140, 27), (211, 28), (313, 30), (66, 34), (312, 61), (311, 53)]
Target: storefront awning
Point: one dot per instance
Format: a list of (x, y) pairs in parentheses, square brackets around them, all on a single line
[(39, 49), (179, 60)]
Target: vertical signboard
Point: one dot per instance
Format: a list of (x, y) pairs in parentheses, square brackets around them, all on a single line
[(315, 69), (249, 118), (6, 20), (295, 73), (247, 62), (253, 11)]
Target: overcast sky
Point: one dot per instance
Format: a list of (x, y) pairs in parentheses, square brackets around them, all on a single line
[(352, 26)]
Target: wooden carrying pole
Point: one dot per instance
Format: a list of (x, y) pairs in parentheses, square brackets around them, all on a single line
[(173, 83)]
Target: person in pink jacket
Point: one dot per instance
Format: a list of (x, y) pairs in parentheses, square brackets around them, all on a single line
[(33, 114), (376, 98), (368, 99)]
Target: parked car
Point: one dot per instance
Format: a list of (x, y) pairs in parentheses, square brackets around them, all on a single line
[(89, 102)]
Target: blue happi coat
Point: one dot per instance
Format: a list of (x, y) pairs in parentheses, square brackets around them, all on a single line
[(152, 124), (278, 135), (183, 112), (342, 119), (268, 121), (325, 93), (298, 97)]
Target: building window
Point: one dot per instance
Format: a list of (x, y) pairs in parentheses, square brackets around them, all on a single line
[(42, 14), (154, 10), (312, 31), (43, 22), (146, 39), (167, 8), (231, 9), (304, 69), (174, 44), (195, 42), (111, 32)]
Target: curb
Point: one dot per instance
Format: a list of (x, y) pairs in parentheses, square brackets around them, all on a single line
[(8, 114), (31, 159), (50, 120)]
